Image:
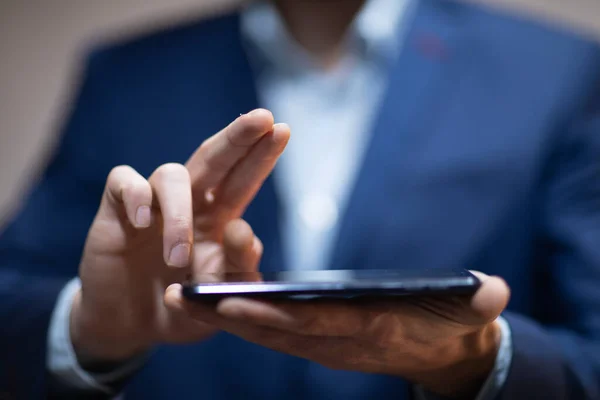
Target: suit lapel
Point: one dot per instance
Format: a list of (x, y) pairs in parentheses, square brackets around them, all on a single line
[(421, 80)]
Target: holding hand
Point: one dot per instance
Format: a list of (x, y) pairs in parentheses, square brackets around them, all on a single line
[(448, 345)]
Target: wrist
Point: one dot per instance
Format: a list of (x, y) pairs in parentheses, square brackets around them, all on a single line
[(97, 342), (464, 377)]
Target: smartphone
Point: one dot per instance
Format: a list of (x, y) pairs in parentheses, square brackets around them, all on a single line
[(332, 284)]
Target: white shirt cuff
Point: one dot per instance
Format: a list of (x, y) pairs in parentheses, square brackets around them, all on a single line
[(61, 360)]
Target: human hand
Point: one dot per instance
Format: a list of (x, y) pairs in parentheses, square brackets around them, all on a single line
[(448, 345), (150, 233)]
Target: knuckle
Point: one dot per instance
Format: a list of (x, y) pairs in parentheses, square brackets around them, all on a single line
[(234, 141), (216, 163), (127, 189), (118, 174), (212, 158), (207, 223), (179, 226), (181, 221), (207, 153), (123, 183), (204, 147), (384, 332), (171, 171), (134, 189)]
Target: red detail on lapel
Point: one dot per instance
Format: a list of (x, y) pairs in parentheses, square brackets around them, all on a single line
[(431, 46)]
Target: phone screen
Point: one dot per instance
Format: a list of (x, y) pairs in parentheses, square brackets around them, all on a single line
[(333, 276), (332, 283)]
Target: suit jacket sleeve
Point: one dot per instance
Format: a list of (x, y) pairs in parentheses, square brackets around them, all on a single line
[(558, 356), (41, 247)]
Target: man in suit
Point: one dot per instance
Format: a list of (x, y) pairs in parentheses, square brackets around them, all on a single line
[(426, 134)]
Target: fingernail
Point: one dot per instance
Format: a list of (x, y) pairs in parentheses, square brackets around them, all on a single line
[(143, 216), (279, 137), (180, 255)]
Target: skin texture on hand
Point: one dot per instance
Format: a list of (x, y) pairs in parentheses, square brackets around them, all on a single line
[(149, 233), (448, 345)]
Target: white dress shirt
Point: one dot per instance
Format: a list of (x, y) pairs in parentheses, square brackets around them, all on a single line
[(331, 113)]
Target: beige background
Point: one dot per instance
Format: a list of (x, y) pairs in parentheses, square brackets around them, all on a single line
[(41, 42)]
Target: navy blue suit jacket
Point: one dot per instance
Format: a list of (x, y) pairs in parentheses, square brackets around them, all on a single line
[(485, 155)]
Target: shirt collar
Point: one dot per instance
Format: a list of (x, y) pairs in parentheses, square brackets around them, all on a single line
[(374, 33)]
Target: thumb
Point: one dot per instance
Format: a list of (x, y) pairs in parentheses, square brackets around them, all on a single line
[(490, 299), (470, 312)]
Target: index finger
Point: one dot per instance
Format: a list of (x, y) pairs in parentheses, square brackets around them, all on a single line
[(212, 161)]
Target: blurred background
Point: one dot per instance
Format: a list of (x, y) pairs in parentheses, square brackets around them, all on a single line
[(42, 44)]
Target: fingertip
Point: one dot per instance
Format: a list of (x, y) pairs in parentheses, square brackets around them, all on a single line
[(480, 275), (257, 246), (179, 256), (281, 133), (238, 234), (261, 118), (173, 289), (172, 297), (502, 287), (496, 284), (128, 189), (492, 297), (260, 113)]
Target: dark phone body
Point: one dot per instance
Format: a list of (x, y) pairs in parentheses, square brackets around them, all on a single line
[(334, 284)]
